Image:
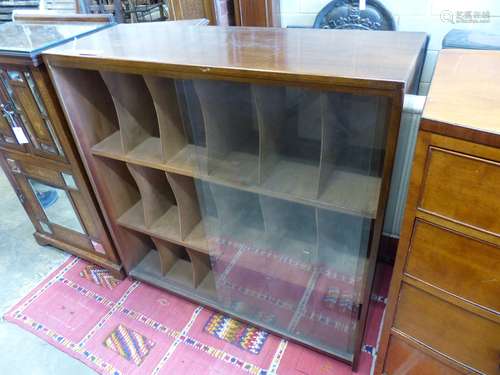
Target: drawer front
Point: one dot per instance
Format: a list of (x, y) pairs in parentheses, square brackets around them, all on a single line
[(404, 359), (448, 329), (462, 188), (457, 264)]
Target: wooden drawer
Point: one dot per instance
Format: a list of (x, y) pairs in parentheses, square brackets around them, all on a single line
[(457, 264), (405, 359), (468, 338), (462, 188)]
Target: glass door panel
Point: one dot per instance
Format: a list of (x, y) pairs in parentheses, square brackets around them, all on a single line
[(289, 232), (27, 110), (57, 205)]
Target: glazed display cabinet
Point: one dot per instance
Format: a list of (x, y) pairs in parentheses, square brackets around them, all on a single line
[(244, 168), (36, 149)]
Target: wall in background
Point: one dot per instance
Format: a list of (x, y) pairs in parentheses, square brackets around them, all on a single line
[(435, 17)]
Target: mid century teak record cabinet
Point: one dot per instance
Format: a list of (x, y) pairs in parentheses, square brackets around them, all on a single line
[(36, 148), (443, 315), (245, 168)]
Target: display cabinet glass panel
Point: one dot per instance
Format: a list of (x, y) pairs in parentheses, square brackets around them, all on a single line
[(57, 205)]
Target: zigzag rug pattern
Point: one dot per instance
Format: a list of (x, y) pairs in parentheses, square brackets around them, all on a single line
[(128, 327)]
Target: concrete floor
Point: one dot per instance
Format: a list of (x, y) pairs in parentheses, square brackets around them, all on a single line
[(23, 264)]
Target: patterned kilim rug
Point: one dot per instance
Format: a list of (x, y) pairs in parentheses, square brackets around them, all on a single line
[(129, 327)]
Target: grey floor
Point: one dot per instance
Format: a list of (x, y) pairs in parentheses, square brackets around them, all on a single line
[(23, 264)]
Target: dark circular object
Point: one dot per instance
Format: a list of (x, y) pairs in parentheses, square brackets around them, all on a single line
[(345, 14)]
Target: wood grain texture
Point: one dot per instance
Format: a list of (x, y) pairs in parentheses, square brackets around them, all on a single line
[(134, 107), (384, 60), (470, 194), (172, 134), (269, 104), (404, 358), (27, 102), (357, 62), (231, 134), (187, 200), (169, 254), (156, 194), (192, 9), (455, 263), (263, 13), (445, 257), (47, 125), (468, 338), (200, 264), (464, 97)]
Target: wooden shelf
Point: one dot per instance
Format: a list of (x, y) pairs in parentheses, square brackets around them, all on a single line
[(346, 192), (110, 147), (148, 151), (166, 228), (292, 179), (244, 147), (237, 168), (180, 275), (352, 193)]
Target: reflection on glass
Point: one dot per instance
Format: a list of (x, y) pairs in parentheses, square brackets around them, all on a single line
[(32, 37), (45, 227), (57, 205), (48, 148), (8, 88), (288, 203), (48, 124), (14, 75), (34, 92), (8, 139), (69, 180)]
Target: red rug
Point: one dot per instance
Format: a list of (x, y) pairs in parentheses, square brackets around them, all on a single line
[(129, 327)]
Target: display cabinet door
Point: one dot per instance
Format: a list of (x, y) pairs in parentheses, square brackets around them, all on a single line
[(27, 106), (57, 206), (13, 135)]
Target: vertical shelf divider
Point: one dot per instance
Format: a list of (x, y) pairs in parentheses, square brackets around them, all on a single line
[(200, 264), (229, 118), (172, 133), (327, 157), (187, 201), (216, 123), (169, 254), (279, 216), (117, 184), (270, 119), (156, 195), (289, 155), (134, 107)]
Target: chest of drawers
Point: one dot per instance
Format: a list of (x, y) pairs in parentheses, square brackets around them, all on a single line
[(443, 315)]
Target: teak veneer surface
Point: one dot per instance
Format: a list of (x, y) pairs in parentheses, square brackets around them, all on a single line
[(241, 172), (464, 98), (354, 58), (442, 314)]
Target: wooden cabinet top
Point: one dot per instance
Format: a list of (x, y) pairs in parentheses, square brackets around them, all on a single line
[(464, 97), (381, 60)]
